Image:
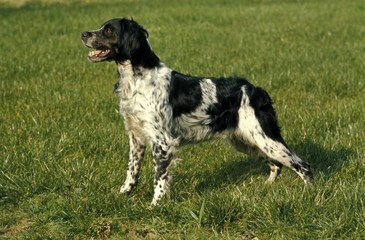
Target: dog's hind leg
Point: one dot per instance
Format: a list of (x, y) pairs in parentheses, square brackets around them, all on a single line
[(257, 126), (136, 153), (275, 167), (275, 170), (279, 155)]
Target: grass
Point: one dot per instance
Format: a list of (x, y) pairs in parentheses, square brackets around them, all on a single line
[(63, 149)]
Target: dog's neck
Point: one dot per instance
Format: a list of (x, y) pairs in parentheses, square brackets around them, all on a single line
[(140, 61), (125, 69), (142, 57), (139, 65), (128, 70)]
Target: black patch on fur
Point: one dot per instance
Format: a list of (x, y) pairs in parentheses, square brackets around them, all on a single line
[(224, 113), (265, 112), (185, 93)]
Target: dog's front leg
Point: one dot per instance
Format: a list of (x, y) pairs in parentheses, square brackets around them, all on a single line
[(136, 153), (162, 155)]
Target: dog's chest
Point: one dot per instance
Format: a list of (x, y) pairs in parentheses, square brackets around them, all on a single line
[(143, 95), (135, 94)]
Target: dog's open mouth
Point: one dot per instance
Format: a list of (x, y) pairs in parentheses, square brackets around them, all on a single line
[(98, 55)]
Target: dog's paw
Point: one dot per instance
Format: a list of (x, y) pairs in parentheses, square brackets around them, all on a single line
[(126, 188)]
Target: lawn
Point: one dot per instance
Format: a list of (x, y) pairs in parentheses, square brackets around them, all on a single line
[(63, 148)]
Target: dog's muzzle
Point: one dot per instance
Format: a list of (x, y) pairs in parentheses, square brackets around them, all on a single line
[(99, 54)]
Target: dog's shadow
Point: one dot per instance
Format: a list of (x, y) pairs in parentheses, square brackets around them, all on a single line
[(324, 163)]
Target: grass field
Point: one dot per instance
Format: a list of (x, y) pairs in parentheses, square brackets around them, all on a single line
[(63, 149)]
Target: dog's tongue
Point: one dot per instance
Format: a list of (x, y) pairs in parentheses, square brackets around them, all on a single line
[(98, 52), (95, 53)]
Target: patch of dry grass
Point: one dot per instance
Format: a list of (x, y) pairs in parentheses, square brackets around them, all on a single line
[(20, 3)]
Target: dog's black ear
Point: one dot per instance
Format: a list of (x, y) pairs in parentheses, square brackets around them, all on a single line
[(132, 39), (145, 32), (140, 27)]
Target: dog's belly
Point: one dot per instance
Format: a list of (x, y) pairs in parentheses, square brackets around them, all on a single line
[(194, 128)]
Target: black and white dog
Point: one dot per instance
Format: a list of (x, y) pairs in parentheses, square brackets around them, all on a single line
[(163, 108)]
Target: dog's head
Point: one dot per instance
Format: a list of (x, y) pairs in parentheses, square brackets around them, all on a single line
[(117, 39)]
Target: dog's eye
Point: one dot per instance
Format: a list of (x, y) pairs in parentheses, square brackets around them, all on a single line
[(108, 31)]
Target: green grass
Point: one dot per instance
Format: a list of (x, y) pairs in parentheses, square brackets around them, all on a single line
[(63, 149)]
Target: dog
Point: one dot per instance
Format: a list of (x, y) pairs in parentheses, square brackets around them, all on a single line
[(163, 108)]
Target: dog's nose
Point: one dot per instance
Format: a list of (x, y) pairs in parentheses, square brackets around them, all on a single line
[(85, 35)]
